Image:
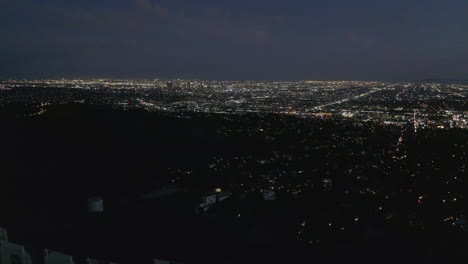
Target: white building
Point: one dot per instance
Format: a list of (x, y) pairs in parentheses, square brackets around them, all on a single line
[(3, 235), (55, 257), (96, 205), (11, 253), (161, 261), (269, 195), (214, 198)]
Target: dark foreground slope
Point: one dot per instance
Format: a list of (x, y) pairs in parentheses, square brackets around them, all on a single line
[(52, 162)]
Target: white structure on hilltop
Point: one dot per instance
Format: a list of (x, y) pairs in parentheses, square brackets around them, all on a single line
[(55, 257), (96, 205), (3, 235), (269, 195), (11, 253), (161, 261), (214, 198)]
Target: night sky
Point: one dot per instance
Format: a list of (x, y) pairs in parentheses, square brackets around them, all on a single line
[(235, 39)]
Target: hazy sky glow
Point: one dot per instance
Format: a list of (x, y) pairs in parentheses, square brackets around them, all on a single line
[(235, 39)]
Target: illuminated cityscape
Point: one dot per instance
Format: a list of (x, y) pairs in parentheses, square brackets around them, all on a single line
[(310, 167), (227, 132), (426, 105)]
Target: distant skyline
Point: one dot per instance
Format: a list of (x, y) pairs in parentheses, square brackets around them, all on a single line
[(235, 40)]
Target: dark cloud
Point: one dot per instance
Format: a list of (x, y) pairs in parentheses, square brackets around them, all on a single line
[(273, 39), (153, 8)]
